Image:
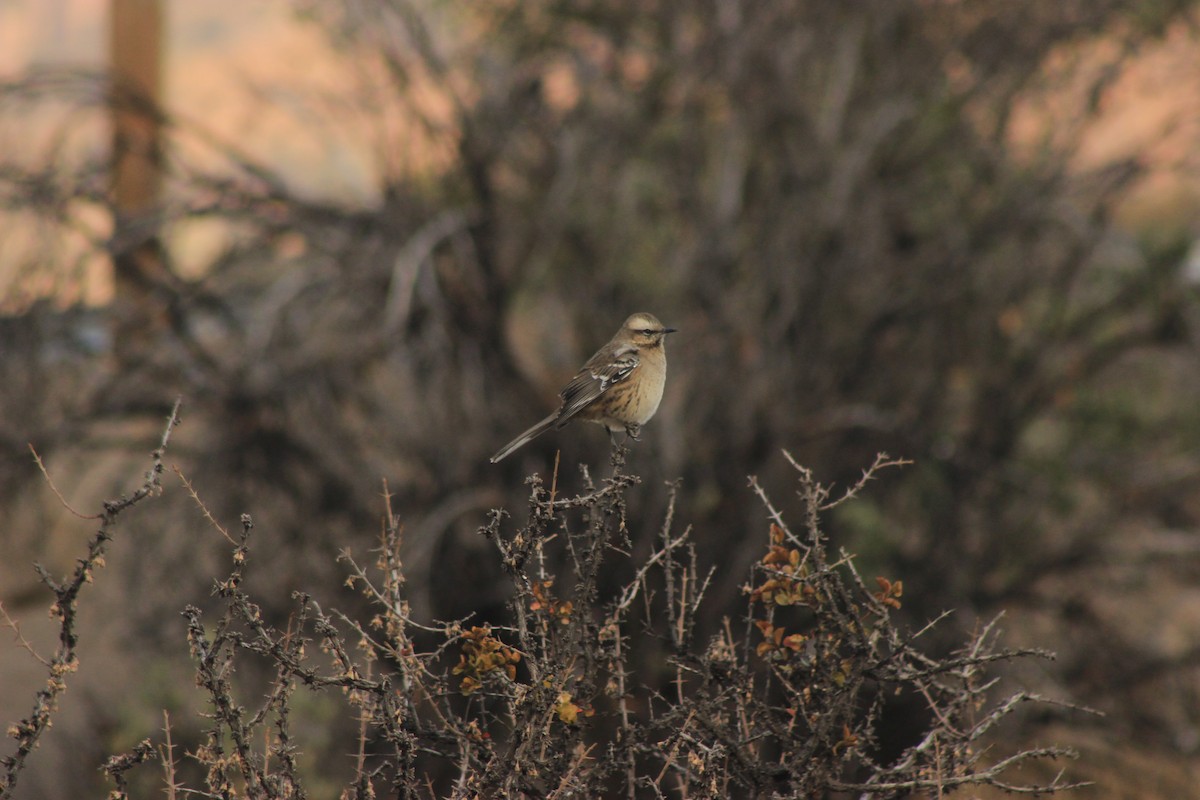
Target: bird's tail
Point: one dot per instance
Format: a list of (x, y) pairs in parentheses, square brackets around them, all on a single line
[(524, 438)]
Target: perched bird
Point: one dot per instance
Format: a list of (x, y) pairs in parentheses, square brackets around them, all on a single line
[(619, 387)]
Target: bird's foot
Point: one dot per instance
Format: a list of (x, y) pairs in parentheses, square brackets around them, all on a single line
[(619, 451), (633, 431)]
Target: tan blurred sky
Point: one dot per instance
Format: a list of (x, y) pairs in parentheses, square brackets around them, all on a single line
[(225, 57), (236, 67), (248, 70), (243, 71)]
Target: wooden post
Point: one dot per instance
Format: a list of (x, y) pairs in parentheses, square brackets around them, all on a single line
[(136, 58), (135, 48)]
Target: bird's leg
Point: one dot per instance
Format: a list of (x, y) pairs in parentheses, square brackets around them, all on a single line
[(633, 431), (619, 450)]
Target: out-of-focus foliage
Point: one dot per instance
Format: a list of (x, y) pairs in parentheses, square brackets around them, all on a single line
[(830, 200)]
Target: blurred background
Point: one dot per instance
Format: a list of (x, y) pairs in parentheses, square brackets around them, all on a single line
[(368, 240)]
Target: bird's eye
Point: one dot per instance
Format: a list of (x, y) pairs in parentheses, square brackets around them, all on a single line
[(645, 331)]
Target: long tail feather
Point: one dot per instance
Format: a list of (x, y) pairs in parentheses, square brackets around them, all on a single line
[(524, 438)]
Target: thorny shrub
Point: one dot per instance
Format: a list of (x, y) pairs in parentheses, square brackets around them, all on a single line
[(783, 702)]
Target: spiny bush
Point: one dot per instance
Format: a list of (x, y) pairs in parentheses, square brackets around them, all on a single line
[(584, 691)]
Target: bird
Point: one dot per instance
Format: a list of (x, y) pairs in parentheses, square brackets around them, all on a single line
[(619, 387)]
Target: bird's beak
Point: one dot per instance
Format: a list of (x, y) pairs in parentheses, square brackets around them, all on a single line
[(670, 330)]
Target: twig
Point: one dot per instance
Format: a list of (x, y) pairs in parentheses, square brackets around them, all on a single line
[(166, 754), (50, 482), (207, 514), (65, 661), (16, 629)]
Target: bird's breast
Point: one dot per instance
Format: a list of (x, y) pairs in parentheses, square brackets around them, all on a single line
[(650, 392)]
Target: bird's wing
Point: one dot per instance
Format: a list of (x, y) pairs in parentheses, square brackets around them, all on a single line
[(597, 377)]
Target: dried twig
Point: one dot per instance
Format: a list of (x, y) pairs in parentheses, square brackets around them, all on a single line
[(64, 661)]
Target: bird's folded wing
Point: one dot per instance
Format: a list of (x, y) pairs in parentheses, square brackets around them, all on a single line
[(596, 378)]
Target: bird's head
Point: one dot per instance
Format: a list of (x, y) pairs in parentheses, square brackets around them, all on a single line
[(644, 330)]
